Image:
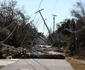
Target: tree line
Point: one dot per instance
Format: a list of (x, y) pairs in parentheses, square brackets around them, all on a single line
[(16, 28), (64, 34)]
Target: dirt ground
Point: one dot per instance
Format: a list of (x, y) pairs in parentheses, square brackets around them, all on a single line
[(76, 64), (1, 66)]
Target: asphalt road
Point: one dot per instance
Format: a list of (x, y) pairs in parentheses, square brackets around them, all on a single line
[(39, 64)]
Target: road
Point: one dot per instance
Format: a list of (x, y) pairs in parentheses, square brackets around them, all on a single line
[(39, 64)]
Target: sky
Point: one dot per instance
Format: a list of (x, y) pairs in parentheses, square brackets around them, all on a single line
[(61, 8)]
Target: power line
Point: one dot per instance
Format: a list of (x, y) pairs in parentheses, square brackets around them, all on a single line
[(9, 25), (40, 4), (30, 64), (45, 23), (24, 39), (37, 23), (10, 33), (38, 8), (36, 34), (75, 31), (53, 11), (26, 36), (41, 64), (33, 19), (38, 20), (74, 34), (81, 29), (36, 62), (21, 14)]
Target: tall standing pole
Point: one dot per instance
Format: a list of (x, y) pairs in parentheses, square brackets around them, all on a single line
[(54, 22), (74, 36), (45, 23)]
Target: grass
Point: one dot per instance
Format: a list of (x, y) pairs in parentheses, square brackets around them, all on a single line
[(76, 64)]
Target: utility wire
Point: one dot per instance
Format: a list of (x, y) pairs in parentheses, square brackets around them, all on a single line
[(24, 39), (38, 20), (76, 31), (10, 33), (44, 22), (53, 11), (9, 25), (38, 8), (41, 64), (33, 19), (37, 23), (81, 29), (36, 34), (40, 4), (21, 14), (30, 64)]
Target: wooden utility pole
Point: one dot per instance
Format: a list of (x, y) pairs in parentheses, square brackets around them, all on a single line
[(45, 23), (54, 22), (74, 36)]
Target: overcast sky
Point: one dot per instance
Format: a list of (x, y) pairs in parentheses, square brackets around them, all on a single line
[(61, 8)]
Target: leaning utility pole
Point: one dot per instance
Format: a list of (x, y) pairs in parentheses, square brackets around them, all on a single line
[(45, 23), (54, 22)]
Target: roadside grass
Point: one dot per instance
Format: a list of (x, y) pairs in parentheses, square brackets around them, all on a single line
[(76, 64)]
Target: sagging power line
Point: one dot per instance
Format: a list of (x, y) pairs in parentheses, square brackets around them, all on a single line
[(35, 16), (53, 11), (38, 8), (10, 34)]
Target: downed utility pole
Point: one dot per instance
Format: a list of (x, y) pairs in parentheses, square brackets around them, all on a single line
[(45, 23)]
